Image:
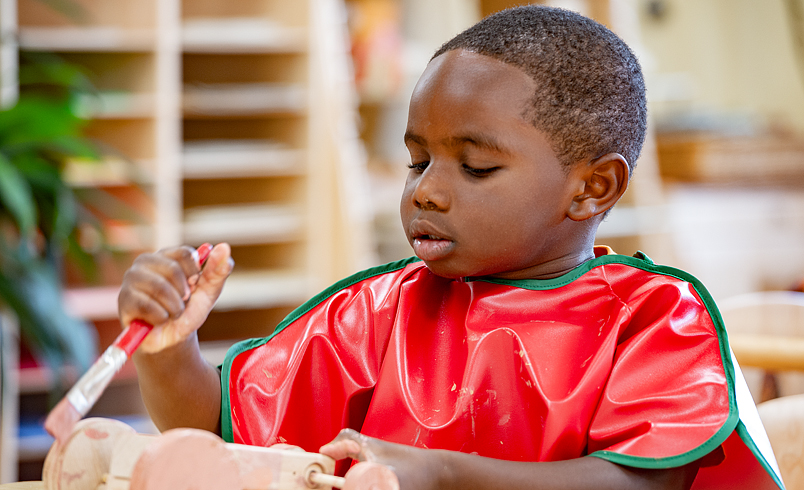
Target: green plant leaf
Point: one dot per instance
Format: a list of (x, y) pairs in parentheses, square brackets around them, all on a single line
[(36, 120), (32, 289), (65, 216), (66, 146), (42, 68), (16, 197)]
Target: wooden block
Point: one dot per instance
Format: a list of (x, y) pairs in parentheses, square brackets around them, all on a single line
[(126, 452), (82, 462), (186, 459), (104, 454)]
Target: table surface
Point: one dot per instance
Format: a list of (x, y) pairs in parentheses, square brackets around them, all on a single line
[(23, 485)]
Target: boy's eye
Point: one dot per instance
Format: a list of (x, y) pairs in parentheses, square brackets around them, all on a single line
[(418, 167), (479, 172)]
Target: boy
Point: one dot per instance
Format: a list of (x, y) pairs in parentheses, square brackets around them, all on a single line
[(514, 348)]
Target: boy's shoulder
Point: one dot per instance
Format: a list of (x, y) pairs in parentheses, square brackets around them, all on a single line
[(624, 276)]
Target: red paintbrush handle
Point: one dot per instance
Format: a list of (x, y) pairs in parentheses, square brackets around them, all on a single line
[(135, 333), (203, 253), (132, 336)]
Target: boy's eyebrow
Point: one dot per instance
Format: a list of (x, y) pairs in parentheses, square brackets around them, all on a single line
[(475, 139), (414, 138), (481, 141)]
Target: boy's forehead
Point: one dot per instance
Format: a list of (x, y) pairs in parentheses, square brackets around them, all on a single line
[(465, 98), (469, 71), (470, 89)]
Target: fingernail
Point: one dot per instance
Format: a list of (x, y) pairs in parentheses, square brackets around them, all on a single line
[(225, 266)]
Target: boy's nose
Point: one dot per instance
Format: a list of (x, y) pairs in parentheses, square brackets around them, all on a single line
[(430, 192)]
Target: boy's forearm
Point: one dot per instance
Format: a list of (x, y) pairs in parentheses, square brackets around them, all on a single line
[(180, 388), (468, 472)]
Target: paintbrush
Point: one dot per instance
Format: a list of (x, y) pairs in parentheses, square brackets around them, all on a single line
[(83, 395)]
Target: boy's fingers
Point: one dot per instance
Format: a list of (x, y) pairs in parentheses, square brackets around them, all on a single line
[(371, 476), (341, 450), (157, 287), (136, 304), (348, 444), (175, 265), (148, 295), (185, 256)]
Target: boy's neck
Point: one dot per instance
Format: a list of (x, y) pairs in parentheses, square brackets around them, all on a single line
[(552, 268)]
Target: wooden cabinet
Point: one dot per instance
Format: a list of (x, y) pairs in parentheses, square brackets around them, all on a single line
[(219, 121), (245, 152)]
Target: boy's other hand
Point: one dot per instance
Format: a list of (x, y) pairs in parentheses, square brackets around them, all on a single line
[(414, 468), (169, 290)]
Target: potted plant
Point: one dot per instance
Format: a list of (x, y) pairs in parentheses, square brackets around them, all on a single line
[(40, 217)]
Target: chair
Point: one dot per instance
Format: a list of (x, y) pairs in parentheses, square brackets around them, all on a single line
[(783, 419), (766, 330)]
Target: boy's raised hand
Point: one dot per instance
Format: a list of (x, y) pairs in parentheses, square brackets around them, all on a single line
[(168, 290)]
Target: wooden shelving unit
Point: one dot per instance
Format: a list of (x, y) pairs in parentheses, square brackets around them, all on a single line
[(245, 81), (220, 121)]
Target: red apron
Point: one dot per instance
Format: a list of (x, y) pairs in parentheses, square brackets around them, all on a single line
[(619, 359)]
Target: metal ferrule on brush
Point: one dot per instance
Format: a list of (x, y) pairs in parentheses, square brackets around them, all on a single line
[(89, 388)]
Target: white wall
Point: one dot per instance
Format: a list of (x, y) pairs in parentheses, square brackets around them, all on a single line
[(732, 56)]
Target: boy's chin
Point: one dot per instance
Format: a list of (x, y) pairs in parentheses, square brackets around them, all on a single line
[(443, 270)]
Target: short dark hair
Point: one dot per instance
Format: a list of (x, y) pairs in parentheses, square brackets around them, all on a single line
[(590, 93)]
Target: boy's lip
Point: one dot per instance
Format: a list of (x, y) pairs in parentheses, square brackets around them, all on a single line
[(429, 243)]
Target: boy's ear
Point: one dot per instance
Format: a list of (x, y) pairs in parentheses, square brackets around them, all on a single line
[(601, 183)]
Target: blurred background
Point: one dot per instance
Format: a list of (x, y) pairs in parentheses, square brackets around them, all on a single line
[(131, 125)]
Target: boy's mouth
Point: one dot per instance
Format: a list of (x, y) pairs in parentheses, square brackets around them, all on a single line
[(431, 247)]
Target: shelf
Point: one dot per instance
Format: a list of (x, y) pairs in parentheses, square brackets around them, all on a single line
[(243, 99), (712, 158), (34, 442), (40, 379), (93, 303), (129, 237), (248, 290), (115, 105), (214, 352), (86, 38), (241, 35), (263, 289), (202, 110), (108, 172), (215, 159), (243, 224)]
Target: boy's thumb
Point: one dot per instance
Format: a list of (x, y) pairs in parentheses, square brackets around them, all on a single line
[(217, 268)]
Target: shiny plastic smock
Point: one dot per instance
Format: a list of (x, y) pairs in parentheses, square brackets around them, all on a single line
[(620, 359)]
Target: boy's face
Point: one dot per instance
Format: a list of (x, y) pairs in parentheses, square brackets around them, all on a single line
[(486, 194)]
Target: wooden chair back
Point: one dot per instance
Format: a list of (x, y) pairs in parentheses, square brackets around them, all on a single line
[(783, 419), (771, 315)]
